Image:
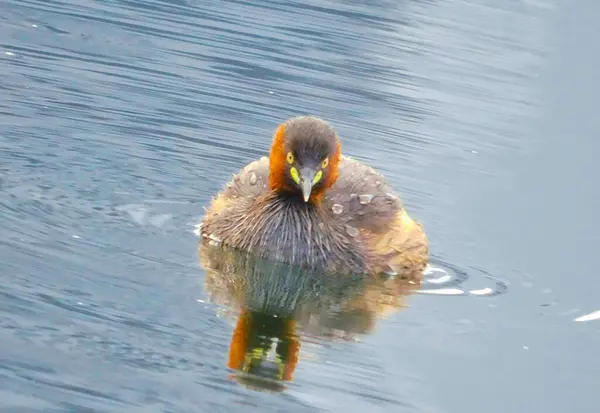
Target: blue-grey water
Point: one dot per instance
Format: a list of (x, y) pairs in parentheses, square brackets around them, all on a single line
[(119, 119)]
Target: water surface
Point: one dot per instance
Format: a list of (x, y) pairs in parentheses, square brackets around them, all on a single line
[(120, 119)]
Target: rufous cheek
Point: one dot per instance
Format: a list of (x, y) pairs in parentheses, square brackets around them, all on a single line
[(277, 160)]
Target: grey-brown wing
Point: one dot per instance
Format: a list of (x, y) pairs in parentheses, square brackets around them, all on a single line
[(251, 181), (362, 198)]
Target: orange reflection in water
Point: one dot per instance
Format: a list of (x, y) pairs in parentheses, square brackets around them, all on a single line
[(278, 305)]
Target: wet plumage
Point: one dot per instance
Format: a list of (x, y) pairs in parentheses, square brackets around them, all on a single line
[(310, 206)]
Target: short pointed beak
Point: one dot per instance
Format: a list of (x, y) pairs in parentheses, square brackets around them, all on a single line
[(306, 177)]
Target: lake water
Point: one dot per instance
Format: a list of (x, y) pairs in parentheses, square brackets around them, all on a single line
[(120, 119)]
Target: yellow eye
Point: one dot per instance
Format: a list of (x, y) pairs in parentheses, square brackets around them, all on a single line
[(290, 158), (325, 163)]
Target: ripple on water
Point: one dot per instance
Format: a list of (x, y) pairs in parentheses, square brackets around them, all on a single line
[(443, 278)]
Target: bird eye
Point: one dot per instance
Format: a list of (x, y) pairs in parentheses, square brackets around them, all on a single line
[(290, 157), (325, 163)]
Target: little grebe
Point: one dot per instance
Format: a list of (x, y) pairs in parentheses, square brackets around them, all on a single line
[(308, 205)]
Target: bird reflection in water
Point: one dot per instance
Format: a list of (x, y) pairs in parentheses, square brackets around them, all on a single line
[(278, 304)]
